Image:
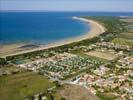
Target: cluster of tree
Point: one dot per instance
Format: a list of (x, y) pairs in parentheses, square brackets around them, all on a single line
[(3, 61)]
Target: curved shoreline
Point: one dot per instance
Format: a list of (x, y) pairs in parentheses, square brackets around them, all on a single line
[(95, 30)]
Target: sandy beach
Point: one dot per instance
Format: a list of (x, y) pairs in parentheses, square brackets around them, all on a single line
[(95, 30)]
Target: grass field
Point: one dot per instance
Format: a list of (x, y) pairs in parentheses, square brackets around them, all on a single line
[(22, 85), (126, 35), (83, 54), (123, 41), (103, 55)]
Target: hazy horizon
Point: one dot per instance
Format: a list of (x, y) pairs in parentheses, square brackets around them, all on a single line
[(67, 5)]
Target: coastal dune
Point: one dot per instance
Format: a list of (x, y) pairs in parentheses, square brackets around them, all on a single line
[(95, 30)]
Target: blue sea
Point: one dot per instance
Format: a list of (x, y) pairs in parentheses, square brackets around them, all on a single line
[(44, 27)]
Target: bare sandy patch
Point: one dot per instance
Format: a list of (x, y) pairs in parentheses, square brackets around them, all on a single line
[(76, 92)]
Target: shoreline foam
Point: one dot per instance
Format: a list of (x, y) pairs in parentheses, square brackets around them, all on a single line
[(95, 30)]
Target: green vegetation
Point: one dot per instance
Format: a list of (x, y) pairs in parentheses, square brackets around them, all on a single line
[(80, 53), (106, 96), (22, 85), (123, 41), (126, 35), (113, 25), (10, 69), (129, 27), (2, 61), (20, 61)]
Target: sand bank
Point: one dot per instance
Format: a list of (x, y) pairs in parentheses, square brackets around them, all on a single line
[(95, 30)]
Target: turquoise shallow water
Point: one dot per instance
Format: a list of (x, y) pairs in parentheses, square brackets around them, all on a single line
[(43, 27)]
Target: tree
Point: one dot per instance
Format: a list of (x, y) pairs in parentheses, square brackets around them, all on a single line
[(57, 83), (3, 61), (62, 98)]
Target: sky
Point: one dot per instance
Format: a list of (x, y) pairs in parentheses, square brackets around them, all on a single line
[(67, 5)]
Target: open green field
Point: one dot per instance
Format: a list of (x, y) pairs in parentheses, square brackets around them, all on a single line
[(123, 41), (83, 54), (103, 55), (22, 85), (126, 35)]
